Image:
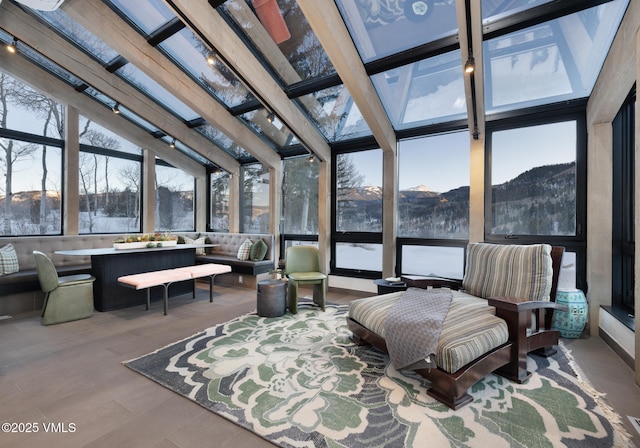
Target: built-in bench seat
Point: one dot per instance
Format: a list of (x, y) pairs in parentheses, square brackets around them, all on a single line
[(246, 273), (20, 291)]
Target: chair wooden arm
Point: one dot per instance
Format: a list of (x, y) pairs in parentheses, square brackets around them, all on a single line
[(418, 281), (527, 334)]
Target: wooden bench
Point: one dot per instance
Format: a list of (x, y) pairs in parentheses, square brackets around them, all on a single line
[(167, 277)]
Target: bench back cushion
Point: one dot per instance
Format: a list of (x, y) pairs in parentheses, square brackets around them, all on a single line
[(25, 245), (495, 270)]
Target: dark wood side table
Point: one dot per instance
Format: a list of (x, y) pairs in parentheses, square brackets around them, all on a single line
[(385, 286)]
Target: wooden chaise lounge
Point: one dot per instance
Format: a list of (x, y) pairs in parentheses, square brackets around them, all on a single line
[(500, 312)]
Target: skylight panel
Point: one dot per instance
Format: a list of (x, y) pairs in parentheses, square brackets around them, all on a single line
[(79, 35), (191, 55), (335, 113), (148, 15), (555, 61), (384, 28), (145, 84), (426, 92)]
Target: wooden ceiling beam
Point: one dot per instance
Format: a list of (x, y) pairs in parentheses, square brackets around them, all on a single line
[(209, 22), (30, 31), (327, 23), (107, 25), (63, 93)]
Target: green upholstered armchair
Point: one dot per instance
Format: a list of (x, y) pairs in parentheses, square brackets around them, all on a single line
[(302, 265), (67, 298)]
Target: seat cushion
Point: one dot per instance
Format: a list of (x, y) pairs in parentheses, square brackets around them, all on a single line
[(495, 270), (306, 276), (470, 329)]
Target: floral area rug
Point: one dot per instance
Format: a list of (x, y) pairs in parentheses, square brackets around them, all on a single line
[(298, 380)]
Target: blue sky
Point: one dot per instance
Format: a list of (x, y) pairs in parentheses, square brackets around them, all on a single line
[(441, 162)]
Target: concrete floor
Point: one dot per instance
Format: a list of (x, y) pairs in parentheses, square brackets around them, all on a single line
[(72, 374)]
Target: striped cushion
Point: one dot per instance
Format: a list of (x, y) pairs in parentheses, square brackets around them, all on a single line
[(495, 270), (470, 329)]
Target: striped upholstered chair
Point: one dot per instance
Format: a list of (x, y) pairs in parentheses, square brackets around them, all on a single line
[(498, 314)]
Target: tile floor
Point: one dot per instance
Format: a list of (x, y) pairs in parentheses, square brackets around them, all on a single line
[(72, 375)]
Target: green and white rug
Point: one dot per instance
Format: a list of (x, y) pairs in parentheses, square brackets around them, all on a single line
[(298, 380)]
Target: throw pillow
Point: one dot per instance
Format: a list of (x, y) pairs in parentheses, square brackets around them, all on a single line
[(200, 240), (258, 250), (8, 260), (245, 250)]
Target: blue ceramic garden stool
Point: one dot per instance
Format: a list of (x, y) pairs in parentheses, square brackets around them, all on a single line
[(570, 323)]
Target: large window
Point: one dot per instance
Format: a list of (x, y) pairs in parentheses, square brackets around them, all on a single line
[(30, 160), (433, 204), (358, 213), (109, 181), (359, 191), (536, 186), (533, 180), (300, 196), (433, 183), (175, 198), (219, 197), (254, 207)]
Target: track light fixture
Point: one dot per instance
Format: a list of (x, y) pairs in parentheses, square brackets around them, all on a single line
[(172, 144), (470, 65), (211, 59), (271, 117), (116, 108), (311, 158), (13, 46)]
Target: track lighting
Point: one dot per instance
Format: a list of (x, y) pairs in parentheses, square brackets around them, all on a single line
[(173, 143), (13, 46), (271, 117), (470, 66), (211, 59), (311, 158), (116, 108)]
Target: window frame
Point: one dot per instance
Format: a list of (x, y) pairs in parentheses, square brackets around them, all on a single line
[(533, 117), (623, 194), (350, 236)]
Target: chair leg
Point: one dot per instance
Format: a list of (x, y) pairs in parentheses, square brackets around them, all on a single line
[(293, 296), (44, 305), (319, 294)]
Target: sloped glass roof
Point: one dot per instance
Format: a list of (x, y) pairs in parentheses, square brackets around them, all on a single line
[(535, 52)]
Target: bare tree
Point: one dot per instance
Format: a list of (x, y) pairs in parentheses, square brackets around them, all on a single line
[(94, 137), (12, 151), (53, 126), (86, 171)]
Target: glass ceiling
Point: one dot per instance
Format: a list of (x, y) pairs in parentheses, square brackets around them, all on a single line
[(410, 49)]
